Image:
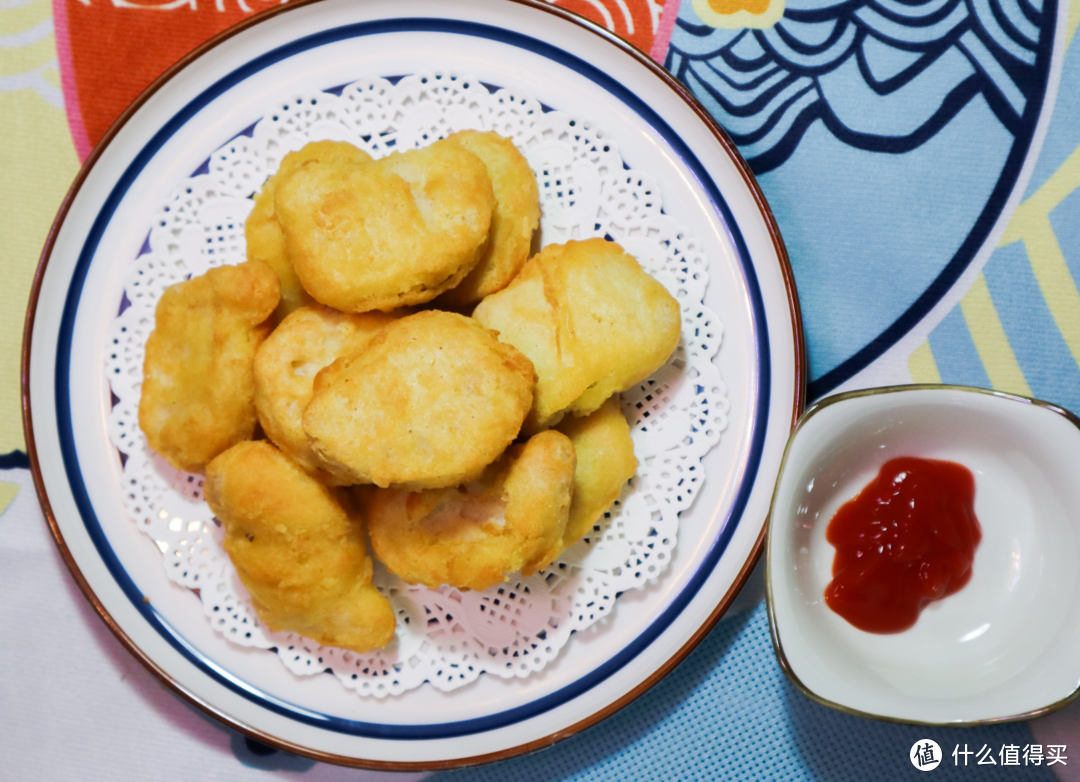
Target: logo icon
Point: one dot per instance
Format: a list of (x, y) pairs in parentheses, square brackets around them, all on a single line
[(925, 755)]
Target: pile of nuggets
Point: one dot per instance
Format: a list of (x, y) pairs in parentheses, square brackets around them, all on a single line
[(474, 446)]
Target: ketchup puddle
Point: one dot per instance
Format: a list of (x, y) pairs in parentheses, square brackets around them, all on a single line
[(908, 538)]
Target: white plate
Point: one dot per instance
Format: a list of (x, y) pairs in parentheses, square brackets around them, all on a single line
[(563, 62), (1007, 645)]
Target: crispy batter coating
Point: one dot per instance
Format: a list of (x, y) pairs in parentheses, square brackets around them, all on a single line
[(298, 547), (286, 364), (387, 234), (198, 385), (474, 536), (431, 401), (265, 242), (517, 213), (591, 320), (605, 462)]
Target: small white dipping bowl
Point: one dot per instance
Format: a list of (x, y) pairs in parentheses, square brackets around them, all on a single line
[(1006, 646)]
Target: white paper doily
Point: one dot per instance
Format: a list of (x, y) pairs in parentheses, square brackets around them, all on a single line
[(446, 637)]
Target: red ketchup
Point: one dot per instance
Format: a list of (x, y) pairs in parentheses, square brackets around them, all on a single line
[(909, 537)]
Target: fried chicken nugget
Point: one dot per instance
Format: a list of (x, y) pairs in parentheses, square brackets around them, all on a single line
[(198, 386), (605, 462), (474, 536), (432, 400), (517, 213), (387, 234), (591, 320), (265, 241), (298, 547), (286, 364)]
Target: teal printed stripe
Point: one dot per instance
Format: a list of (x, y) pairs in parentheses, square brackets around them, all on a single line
[(1036, 341), (1065, 220), (955, 353), (729, 713)]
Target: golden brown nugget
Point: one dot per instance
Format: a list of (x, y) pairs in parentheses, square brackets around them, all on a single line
[(265, 242), (516, 215), (474, 536), (605, 462), (298, 547), (432, 400), (286, 364), (387, 234), (198, 391), (591, 320)]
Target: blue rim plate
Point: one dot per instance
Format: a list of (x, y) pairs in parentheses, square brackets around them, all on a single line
[(218, 91)]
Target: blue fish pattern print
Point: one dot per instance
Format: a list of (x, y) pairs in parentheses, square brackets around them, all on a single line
[(887, 136)]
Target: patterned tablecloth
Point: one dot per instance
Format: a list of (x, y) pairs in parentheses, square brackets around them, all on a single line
[(922, 158)]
